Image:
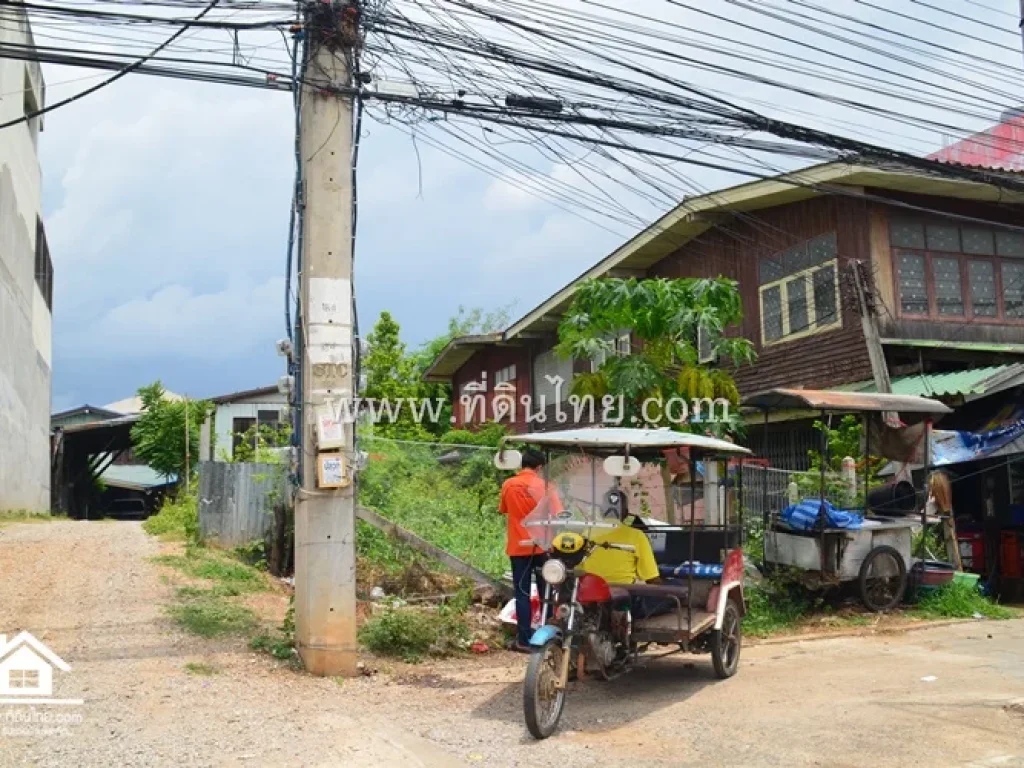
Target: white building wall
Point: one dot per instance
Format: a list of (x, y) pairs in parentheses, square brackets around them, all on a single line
[(25, 321), (224, 420)]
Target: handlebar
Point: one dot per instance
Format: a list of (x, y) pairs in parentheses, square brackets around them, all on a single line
[(604, 544)]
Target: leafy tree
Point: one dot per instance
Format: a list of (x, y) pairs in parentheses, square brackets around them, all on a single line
[(663, 316), (158, 437), (844, 440), (392, 374), (260, 444)]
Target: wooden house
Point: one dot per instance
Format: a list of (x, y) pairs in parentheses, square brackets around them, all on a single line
[(943, 285)]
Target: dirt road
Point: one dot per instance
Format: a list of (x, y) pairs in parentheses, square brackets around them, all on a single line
[(89, 591)]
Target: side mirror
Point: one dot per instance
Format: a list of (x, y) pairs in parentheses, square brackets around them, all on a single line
[(620, 466), (508, 459)]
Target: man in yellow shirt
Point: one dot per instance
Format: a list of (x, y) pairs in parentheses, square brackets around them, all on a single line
[(616, 566)]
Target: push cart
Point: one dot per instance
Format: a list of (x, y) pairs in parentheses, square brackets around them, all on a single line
[(875, 551)]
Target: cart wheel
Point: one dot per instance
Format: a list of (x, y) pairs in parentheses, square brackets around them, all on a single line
[(883, 579), (542, 699), (726, 642)]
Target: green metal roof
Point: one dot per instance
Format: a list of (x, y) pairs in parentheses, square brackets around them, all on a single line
[(970, 383)]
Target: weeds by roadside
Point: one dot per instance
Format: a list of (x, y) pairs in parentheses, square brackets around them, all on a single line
[(958, 600), (201, 669), (207, 609), (775, 605), (231, 576), (281, 643), (207, 614)]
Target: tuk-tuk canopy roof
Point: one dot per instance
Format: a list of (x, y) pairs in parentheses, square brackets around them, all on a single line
[(827, 400), (617, 438)]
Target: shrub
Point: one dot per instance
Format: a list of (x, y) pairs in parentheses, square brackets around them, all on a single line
[(774, 605), (406, 634), (178, 518), (411, 634)]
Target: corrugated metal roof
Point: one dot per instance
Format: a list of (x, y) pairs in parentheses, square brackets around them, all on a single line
[(842, 401), (967, 383), (134, 477)]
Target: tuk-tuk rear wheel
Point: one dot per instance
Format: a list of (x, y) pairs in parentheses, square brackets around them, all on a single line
[(543, 699), (726, 642)]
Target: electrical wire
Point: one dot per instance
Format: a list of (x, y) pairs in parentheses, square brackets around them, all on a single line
[(110, 80)]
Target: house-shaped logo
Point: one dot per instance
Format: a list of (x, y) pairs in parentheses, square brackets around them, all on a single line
[(26, 671)]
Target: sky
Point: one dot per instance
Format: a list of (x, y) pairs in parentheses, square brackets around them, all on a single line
[(166, 206)]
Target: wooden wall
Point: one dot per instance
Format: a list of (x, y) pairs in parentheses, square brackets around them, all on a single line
[(492, 359), (733, 248)]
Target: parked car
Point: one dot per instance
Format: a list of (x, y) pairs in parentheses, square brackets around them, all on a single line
[(132, 509)]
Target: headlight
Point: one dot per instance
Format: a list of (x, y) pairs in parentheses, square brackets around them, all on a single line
[(553, 571)]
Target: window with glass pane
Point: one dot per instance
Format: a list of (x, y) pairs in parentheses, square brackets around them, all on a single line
[(942, 237), (949, 297), (907, 234), (913, 292), (1010, 243), (770, 269), (795, 259), (825, 296), (771, 313), (822, 249), (982, 276), (796, 298), (979, 241), (1013, 290)]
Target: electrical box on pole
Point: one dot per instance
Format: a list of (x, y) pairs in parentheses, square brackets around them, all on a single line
[(325, 553)]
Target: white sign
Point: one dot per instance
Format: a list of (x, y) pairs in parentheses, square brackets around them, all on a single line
[(330, 432), (330, 301), (331, 470)]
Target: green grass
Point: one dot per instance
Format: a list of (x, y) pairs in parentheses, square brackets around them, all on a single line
[(773, 608), (452, 506), (229, 576), (177, 519), (958, 600), (209, 615), (24, 516), (201, 669)]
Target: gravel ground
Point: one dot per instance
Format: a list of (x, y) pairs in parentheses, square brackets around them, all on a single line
[(89, 591)]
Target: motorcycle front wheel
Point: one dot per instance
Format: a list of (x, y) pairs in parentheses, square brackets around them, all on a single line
[(543, 699)]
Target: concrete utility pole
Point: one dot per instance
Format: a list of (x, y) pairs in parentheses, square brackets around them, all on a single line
[(325, 552)]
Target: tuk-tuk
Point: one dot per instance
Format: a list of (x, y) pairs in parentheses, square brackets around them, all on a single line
[(598, 480)]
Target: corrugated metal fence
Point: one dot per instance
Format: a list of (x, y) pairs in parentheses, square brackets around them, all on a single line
[(236, 501)]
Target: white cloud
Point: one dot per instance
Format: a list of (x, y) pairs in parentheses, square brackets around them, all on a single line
[(178, 322)]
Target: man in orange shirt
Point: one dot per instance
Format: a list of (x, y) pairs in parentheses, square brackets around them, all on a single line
[(519, 496)]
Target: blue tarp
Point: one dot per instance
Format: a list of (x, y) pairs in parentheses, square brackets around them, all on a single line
[(952, 447), (803, 516)]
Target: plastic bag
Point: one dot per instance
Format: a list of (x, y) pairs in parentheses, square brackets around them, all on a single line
[(508, 612)]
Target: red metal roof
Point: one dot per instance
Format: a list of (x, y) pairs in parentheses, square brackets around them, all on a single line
[(1000, 148)]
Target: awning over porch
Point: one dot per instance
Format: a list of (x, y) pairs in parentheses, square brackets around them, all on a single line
[(969, 384)]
